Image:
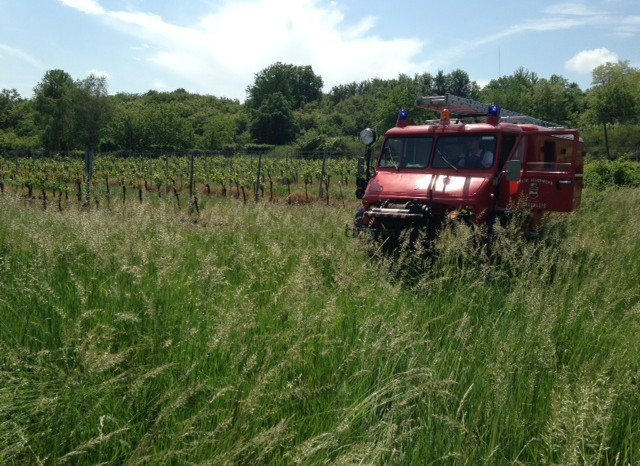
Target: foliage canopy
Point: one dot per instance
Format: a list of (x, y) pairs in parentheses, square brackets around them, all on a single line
[(286, 105)]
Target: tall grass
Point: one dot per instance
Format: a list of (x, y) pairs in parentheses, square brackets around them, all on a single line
[(260, 334)]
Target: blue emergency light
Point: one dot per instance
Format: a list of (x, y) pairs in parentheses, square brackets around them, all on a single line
[(403, 115)]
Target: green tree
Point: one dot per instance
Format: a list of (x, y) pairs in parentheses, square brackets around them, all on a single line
[(167, 127), (298, 84), (92, 110), (440, 83), (556, 100), (614, 99), (273, 122), (219, 132), (354, 114), (54, 107), (343, 91), (402, 95), (615, 96), (17, 121), (127, 129), (277, 92), (9, 99), (458, 83), (425, 84), (512, 92)]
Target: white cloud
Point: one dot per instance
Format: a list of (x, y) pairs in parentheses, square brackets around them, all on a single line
[(466, 47), (99, 74), (20, 54), (89, 7), (618, 25), (571, 9), (627, 27), (221, 52), (364, 25), (549, 25), (587, 60)]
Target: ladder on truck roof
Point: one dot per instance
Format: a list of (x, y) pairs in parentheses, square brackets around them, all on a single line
[(463, 107)]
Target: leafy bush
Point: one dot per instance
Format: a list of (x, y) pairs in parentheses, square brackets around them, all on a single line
[(311, 140), (258, 147), (336, 144), (602, 174), (9, 140), (314, 140)]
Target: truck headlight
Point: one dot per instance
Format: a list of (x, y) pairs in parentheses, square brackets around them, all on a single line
[(368, 136)]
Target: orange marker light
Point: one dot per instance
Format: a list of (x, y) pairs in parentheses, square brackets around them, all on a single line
[(445, 116)]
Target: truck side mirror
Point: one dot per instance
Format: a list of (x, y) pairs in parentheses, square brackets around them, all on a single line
[(513, 168)]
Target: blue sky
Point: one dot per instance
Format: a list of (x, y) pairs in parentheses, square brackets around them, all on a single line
[(216, 47)]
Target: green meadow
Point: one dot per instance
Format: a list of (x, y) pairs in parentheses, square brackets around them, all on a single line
[(260, 333)]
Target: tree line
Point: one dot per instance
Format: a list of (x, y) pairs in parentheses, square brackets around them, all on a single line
[(286, 106)]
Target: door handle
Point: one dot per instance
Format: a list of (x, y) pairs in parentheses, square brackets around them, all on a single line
[(560, 183)]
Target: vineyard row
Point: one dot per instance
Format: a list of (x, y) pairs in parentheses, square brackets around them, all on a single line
[(107, 176)]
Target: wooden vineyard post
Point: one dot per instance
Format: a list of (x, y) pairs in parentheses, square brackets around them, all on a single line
[(88, 173), (322, 175), (190, 174), (166, 172), (193, 198), (258, 176)]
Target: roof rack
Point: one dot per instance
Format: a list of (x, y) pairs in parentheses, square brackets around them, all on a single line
[(466, 108)]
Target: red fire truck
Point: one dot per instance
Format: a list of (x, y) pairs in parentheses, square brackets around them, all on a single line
[(476, 162)]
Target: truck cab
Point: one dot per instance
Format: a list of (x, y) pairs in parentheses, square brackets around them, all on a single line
[(475, 162)]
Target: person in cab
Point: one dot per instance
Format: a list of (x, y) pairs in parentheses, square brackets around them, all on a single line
[(475, 156)]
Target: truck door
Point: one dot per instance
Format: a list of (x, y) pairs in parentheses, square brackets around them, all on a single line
[(552, 172)]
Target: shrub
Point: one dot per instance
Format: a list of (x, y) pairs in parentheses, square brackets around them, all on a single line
[(602, 174), (311, 140)]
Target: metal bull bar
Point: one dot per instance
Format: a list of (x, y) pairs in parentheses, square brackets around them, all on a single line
[(402, 214), (392, 217), (410, 212)]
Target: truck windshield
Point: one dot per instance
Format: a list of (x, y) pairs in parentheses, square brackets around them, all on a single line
[(468, 152), (406, 152)]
